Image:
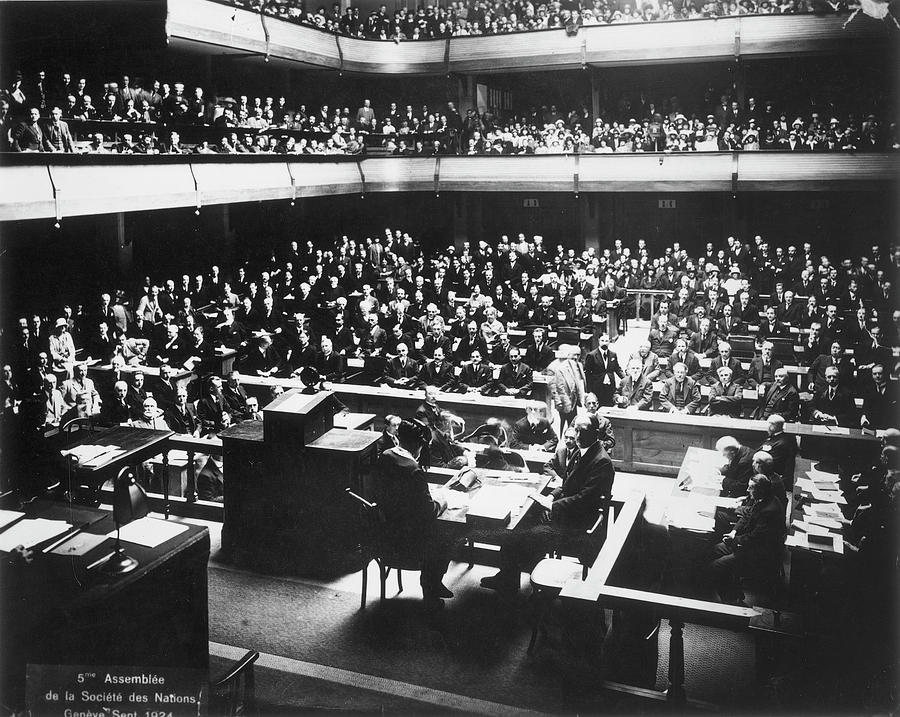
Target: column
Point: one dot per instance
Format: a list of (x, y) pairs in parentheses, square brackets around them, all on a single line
[(460, 219), (123, 252), (590, 221), (595, 95)]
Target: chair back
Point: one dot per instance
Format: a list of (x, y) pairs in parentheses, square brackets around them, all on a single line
[(80, 423)]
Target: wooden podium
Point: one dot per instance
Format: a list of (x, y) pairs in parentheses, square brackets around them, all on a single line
[(284, 505)]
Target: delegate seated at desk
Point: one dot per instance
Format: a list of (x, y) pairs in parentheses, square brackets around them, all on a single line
[(570, 510), (410, 513)]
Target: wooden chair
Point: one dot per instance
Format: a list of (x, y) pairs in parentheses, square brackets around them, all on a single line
[(234, 692), (82, 492), (551, 574), (374, 547)]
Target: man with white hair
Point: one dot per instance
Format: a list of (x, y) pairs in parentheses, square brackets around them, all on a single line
[(635, 392), (738, 467), (725, 395), (781, 398)]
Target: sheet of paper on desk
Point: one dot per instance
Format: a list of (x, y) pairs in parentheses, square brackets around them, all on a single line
[(107, 455), (825, 510), (828, 496), (85, 452), (801, 540), (150, 532), (80, 544), (687, 517), (810, 528), (30, 532), (824, 521), (8, 516)]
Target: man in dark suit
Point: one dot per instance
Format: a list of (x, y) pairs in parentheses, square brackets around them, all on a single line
[(704, 342), (410, 513), (737, 470), (212, 409), (538, 355), (810, 346), (762, 368), (781, 398), (570, 509), (438, 372), (771, 326), (754, 547), (725, 359), (516, 378), (329, 363), (235, 395), (683, 354), (725, 396), (119, 409), (789, 311), (400, 371), (783, 449), (181, 416), (533, 430), (728, 324), (636, 390), (262, 360), (613, 298), (833, 404), (429, 411), (880, 399), (601, 366), (28, 136), (476, 374), (835, 359)]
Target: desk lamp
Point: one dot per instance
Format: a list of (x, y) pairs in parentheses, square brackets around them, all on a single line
[(129, 503)]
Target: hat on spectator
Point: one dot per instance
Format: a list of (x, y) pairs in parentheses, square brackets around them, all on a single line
[(712, 268), (60, 322), (796, 122), (735, 269)]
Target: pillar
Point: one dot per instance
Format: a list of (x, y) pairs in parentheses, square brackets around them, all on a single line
[(675, 694), (475, 218), (460, 219), (120, 242), (589, 220), (467, 98), (595, 96)]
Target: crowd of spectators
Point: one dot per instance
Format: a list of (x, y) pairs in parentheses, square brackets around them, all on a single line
[(315, 307), (38, 117), (467, 18)]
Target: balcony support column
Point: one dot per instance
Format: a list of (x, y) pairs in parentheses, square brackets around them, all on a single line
[(595, 99)]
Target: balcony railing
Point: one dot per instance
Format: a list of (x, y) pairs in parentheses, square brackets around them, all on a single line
[(209, 23), (62, 185)]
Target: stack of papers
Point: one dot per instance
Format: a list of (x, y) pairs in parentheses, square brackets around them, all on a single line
[(683, 514), (90, 455), (825, 543), (30, 532)]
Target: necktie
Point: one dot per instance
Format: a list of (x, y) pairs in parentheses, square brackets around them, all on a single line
[(830, 394), (573, 462)]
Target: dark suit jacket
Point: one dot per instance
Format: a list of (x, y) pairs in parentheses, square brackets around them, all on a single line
[(725, 401), (737, 327), (704, 346), (428, 414), (881, 409), (841, 406), (690, 360), (524, 435), (331, 367), (781, 400), (737, 371), (766, 330), (65, 137), (759, 536), (182, 423), (737, 474), (584, 491), (519, 378), (539, 360), (430, 376), (475, 377), (816, 374), (394, 370), (687, 396), (783, 449), (637, 393), (759, 373), (403, 498), (596, 372)]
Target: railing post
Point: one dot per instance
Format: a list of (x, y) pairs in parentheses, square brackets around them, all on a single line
[(675, 694), (190, 492), (165, 460)]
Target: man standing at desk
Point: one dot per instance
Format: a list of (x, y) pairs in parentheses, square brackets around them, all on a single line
[(568, 511), (410, 512)]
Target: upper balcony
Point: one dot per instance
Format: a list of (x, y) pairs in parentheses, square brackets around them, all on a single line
[(51, 186), (199, 24)]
